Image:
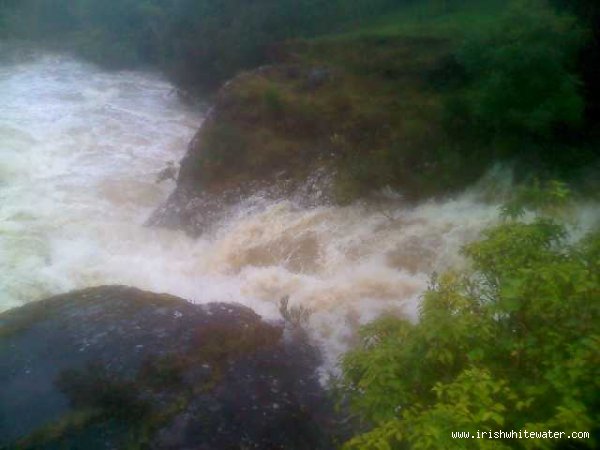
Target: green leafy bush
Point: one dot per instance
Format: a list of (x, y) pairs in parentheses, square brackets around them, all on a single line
[(522, 72), (511, 344), (549, 198)]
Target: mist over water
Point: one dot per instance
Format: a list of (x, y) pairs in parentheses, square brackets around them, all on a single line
[(79, 152)]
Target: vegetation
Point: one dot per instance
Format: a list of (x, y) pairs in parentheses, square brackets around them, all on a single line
[(419, 95), (522, 85), (422, 101), (422, 96), (461, 89), (199, 43), (521, 95), (588, 64), (509, 345)]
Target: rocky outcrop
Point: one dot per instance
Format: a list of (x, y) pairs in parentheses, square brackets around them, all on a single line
[(254, 142), (331, 121), (115, 367), (196, 211)]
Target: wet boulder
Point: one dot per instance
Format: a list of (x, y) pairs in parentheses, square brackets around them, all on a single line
[(116, 367)]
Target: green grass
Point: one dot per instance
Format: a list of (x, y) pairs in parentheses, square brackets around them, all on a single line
[(428, 19), (58, 430), (378, 114), (389, 115), (381, 115)]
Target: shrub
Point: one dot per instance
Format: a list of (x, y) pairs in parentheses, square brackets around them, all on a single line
[(199, 43), (511, 344), (522, 74)]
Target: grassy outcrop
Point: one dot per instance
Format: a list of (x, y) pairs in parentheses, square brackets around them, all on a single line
[(350, 104), (422, 100)]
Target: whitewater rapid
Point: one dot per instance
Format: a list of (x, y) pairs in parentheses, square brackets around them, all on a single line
[(80, 149)]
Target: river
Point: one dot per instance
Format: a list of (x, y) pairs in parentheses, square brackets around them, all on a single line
[(80, 149)]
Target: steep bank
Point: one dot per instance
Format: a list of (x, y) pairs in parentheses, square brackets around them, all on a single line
[(122, 368)]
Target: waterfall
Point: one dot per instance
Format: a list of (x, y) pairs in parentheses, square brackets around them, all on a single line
[(80, 150)]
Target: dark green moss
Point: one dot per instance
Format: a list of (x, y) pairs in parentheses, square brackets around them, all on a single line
[(59, 430), (97, 389), (14, 321), (398, 106), (100, 397), (361, 106)]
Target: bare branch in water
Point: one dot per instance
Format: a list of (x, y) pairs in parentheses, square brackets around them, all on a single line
[(296, 316)]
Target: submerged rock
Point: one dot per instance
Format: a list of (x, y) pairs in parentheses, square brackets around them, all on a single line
[(195, 211), (116, 367)]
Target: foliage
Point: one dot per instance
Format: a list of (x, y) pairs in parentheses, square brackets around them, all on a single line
[(549, 198), (397, 108), (588, 11), (95, 389), (510, 345), (421, 96), (523, 83), (199, 43), (501, 83)]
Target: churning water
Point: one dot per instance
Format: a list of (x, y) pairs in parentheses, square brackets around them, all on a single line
[(80, 149)]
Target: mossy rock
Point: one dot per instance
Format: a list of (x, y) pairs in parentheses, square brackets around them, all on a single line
[(367, 110), (116, 367)]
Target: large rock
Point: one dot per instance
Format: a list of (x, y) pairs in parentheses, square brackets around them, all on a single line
[(330, 121), (115, 367), (255, 141)]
